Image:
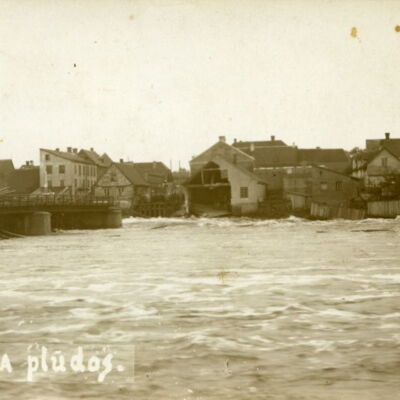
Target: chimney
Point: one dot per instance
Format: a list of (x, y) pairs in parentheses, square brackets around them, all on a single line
[(31, 162), (272, 138), (154, 165), (251, 146), (235, 140), (222, 139), (387, 135), (26, 162), (121, 160), (91, 149), (69, 149), (76, 151), (57, 149)]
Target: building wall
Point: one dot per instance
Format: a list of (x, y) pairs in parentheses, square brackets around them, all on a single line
[(238, 180), (114, 183), (376, 171), (320, 185), (76, 176), (330, 187), (298, 179), (274, 177)]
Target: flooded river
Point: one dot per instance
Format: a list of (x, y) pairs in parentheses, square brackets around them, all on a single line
[(206, 309)]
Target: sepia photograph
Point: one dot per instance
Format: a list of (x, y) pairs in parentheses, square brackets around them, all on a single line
[(199, 200)]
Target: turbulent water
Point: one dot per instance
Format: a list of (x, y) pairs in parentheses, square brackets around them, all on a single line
[(206, 309)]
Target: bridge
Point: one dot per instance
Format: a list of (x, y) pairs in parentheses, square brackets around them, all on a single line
[(39, 214)]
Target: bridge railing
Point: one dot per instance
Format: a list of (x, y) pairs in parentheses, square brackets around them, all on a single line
[(11, 201)]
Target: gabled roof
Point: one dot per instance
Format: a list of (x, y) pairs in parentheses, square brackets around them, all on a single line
[(106, 159), (279, 156), (95, 158), (129, 170), (316, 156), (246, 145), (336, 172), (70, 156), (365, 155), (236, 166), (153, 172), (245, 171), (155, 166), (392, 147), (227, 146), (24, 180), (6, 167), (375, 144)]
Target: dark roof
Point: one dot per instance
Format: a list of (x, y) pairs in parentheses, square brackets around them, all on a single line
[(106, 159), (155, 166), (131, 173), (281, 156), (95, 158), (374, 144), (70, 156), (336, 172), (24, 180), (365, 155), (6, 167), (258, 143), (224, 145), (153, 172), (315, 156), (393, 147)]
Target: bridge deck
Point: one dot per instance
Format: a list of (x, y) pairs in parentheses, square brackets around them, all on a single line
[(26, 203)]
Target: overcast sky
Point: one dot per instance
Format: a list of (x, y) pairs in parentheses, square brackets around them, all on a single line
[(160, 80)]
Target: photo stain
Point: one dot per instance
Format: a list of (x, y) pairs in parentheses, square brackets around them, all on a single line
[(353, 32), (74, 65), (397, 28), (222, 275), (131, 17)]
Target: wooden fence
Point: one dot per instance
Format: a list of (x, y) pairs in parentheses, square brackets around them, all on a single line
[(384, 209), (323, 211)]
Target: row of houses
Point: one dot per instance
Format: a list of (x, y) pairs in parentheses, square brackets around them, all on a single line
[(243, 177), (85, 172)]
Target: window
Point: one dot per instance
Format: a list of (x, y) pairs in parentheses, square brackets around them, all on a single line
[(76, 168), (47, 157), (49, 169), (49, 184), (120, 191), (244, 192), (61, 169), (62, 183), (384, 161), (339, 186), (106, 191), (76, 183), (324, 185)]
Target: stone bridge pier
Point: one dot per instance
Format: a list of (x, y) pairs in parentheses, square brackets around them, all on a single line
[(34, 223), (29, 224)]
